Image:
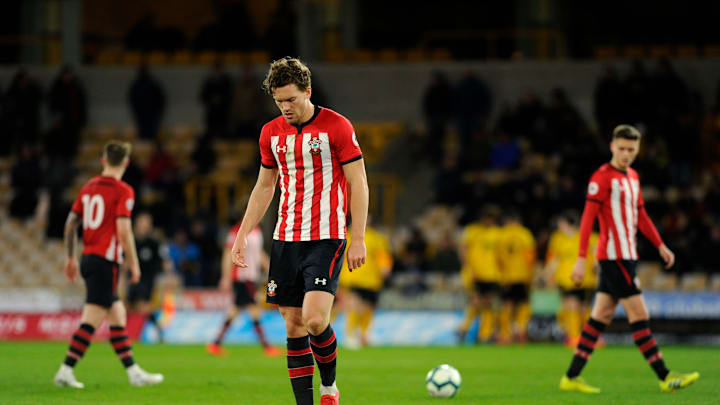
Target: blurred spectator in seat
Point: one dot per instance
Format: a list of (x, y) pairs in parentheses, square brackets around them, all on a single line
[(530, 119), (248, 102), (449, 186), (446, 259), (437, 105), (161, 168), (203, 233), (639, 98), (134, 177), (564, 126), (473, 103), (19, 112), (185, 256), (610, 99), (68, 108), (147, 102), (216, 98), (414, 260), (26, 181), (204, 156), (504, 152)]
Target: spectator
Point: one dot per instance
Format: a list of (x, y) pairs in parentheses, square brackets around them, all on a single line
[(449, 187), (26, 181), (147, 102), (161, 168), (19, 112), (203, 234), (473, 103), (68, 106), (610, 99), (564, 126), (437, 105), (216, 98), (204, 156), (248, 103), (637, 85), (504, 152), (185, 256)]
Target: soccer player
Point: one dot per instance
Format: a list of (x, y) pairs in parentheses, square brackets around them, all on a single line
[(103, 207), (560, 258), (152, 261), (316, 153), (516, 254), (480, 270), (243, 283), (363, 287), (614, 193)]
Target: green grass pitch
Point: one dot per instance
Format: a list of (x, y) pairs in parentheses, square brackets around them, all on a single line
[(384, 375)]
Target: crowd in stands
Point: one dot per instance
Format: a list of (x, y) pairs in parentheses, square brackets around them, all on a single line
[(534, 157)]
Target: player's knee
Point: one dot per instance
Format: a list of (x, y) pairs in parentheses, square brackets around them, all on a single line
[(315, 323)]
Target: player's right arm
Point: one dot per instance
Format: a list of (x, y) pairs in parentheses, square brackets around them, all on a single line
[(127, 241), (70, 240), (597, 193), (258, 204)]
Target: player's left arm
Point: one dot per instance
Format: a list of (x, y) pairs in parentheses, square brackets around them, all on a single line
[(648, 229), (127, 241), (358, 187), (70, 239)]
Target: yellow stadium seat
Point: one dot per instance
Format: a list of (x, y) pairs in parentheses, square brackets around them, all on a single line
[(259, 57), (605, 52), (206, 57), (131, 58), (181, 57), (157, 58), (634, 51), (687, 51)]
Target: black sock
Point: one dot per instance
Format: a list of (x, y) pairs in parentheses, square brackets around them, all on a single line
[(121, 343), (588, 338), (300, 368), (645, 341), (79, 344), (324, 347), (224, 329)]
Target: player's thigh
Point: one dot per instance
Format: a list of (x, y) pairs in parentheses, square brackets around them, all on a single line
[(93, 314), (316, 309), (635, 308), (604, 307)]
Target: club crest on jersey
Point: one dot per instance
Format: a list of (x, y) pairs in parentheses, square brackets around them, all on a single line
[(315, 143), (271, 288)]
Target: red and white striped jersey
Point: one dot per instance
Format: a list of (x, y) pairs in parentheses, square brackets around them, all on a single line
[(616, 197), (313, 199), (100, 202), (253, 254)]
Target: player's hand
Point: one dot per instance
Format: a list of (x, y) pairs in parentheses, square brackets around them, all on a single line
[(356, 254), (134, 274), (667, 255), (225, 284), (578, 272), (238, 251), (71, 269)]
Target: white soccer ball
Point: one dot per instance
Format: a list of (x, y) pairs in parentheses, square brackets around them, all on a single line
[(443, 381)]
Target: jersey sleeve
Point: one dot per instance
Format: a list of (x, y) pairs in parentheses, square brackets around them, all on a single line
[(125, 203), (345, 143), (597, 190), (267, 159), (77, 206)]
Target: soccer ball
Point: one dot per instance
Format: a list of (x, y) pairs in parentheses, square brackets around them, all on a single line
[(443, 381)]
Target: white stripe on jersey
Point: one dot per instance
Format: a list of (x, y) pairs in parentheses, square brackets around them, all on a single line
[(610, 251), (617, 218), (274, 140), (341, 214), (309, 182), (327, 176), (292, 190), (629, 198)]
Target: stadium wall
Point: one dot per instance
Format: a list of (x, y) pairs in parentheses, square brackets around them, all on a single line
[(368, 92)]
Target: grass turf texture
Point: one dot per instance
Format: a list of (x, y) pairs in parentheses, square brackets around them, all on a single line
[(392, 375)]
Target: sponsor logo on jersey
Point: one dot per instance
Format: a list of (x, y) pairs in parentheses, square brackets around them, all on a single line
[(593, 188)]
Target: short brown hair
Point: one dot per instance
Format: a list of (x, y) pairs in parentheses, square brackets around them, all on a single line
[(115, 152), (626, 132), (287, 71)]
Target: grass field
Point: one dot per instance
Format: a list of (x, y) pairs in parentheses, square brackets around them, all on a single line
[(392, 375)]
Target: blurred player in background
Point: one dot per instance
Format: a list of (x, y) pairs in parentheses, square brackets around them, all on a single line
[(153, 261), (243, 282), (561, 255), (516, 254), (103, 207), (318, 158), (614, 193), (363, 287), (481, 273)]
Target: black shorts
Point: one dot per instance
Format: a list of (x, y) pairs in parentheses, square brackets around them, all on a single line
[(141, 291), (484, 288), (101, 278), (299, 267), (244, 293), (617, 278), (582, 294), (369, 296), (518, 292)]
